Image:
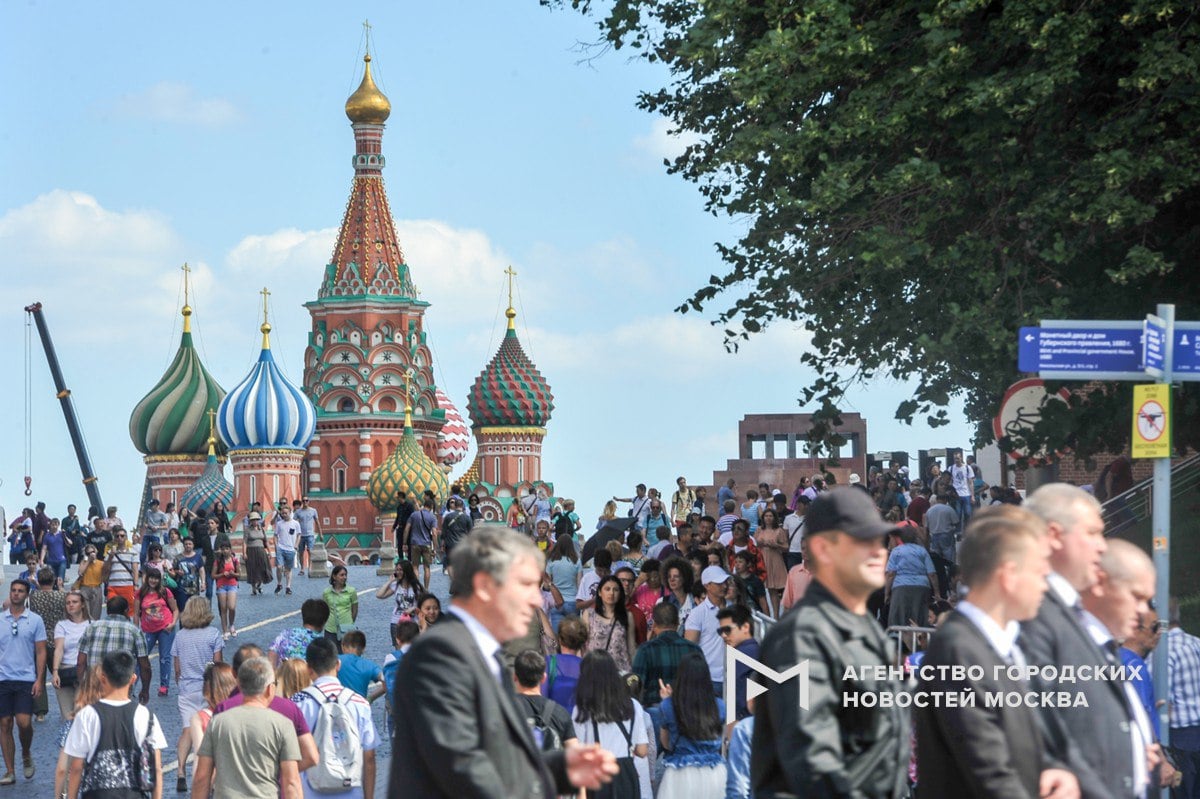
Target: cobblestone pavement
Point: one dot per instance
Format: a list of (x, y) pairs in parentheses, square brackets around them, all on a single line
[(259, 620)]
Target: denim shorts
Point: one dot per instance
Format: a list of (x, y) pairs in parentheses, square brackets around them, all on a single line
[(304, 542), (286, 558), (227, 589)]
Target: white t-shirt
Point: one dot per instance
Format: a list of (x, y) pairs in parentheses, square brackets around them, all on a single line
[(85, 730), (286, 534), (70, 632), (703, 619), (611, 738), (587, 586), (962, 477), (794, 523)]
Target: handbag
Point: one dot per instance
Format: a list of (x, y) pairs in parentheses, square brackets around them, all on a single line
[(67, 677)]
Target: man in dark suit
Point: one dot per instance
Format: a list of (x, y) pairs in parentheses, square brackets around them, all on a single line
[(1096, 741), (1114, 610), (981, 750), (459, 732)]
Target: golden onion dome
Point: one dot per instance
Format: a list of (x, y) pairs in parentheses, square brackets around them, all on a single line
[(368, 105)]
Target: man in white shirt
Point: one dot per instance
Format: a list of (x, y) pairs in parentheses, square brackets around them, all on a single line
[(639, 505), (962, 477), (981, 748), (793, 525), (702, 626), (1093, 741), (1114, 606), (287, 531)]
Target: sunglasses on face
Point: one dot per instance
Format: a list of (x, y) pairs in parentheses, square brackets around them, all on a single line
[(724, 630)]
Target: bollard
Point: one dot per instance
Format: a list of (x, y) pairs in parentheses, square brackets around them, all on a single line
[(319, 559)]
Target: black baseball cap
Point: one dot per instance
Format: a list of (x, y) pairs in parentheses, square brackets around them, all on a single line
[(849, 510)]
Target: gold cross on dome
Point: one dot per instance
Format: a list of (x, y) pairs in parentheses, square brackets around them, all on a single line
[(367, 35), (265, 294), (511, 274), (187, 270)]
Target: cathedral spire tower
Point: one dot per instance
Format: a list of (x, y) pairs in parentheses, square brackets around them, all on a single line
[(367, 336)]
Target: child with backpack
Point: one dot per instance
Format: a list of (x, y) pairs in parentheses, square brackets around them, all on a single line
[(342, 727), (116, 744), (551, 724)]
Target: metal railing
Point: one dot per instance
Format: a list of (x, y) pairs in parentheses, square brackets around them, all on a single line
[(762, 623), (1130, 507), (908, 639)]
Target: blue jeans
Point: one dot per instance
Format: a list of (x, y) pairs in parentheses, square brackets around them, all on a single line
[(147, 540), (165, 640), (60, 570), (964, 510)]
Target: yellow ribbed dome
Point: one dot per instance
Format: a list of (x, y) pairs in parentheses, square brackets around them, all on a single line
[(368, 105)]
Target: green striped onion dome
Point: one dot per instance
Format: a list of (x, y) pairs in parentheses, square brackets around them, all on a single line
[(408, 469), (510, 391), (173, 418)]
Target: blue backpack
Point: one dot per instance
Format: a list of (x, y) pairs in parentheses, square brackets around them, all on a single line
[(389, 673)]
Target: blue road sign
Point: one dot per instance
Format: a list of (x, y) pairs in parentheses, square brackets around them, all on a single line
[(1186, 353), (1154, 345), (1081, 349)]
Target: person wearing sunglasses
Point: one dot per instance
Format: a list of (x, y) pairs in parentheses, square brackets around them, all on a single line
[(736, 628), (121, 567), (22, 673)]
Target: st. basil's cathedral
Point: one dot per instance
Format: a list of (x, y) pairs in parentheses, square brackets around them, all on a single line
[(368, 421)]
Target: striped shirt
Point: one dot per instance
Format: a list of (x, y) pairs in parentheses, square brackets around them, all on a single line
[(1183, 668)]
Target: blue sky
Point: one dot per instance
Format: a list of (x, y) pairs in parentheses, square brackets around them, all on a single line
[(135, 137)]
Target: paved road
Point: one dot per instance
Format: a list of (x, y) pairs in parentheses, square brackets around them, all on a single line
[(259, 620)]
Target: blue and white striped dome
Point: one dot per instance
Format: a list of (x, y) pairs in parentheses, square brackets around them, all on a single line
[(266, 411)]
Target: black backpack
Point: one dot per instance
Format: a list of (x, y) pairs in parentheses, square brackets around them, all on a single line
[(625, 785), (544, 733), (563, 525)]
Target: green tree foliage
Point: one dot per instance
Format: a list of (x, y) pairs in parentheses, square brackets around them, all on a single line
[(919, 179)]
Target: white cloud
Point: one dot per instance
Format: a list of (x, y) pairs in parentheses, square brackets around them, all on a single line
[(662, 142), (92, 255), (170, 101), (687, 348)]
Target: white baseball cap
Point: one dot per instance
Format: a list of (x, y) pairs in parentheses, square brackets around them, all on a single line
[(855, 479), (713, 574)]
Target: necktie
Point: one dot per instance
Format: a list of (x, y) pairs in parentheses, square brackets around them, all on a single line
[(505, 677)]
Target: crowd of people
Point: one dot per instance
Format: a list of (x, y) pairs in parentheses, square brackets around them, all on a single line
[(601, 659)]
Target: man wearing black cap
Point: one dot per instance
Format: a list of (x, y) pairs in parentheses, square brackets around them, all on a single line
[(847, 740)]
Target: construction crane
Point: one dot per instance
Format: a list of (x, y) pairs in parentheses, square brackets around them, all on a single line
[(68, 407)]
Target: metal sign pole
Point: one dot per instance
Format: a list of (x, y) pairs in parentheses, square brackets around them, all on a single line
[(1160, 527)]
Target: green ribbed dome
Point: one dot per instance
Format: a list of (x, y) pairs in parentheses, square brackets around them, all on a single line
[(510, 391), (408, 469), (173, 418)]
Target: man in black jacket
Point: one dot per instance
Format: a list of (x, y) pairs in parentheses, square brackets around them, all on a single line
[(1096, 741), (459, 732), (847, 740), (969, 749)]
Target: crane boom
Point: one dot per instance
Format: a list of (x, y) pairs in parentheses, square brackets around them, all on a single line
[(64, 397)]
